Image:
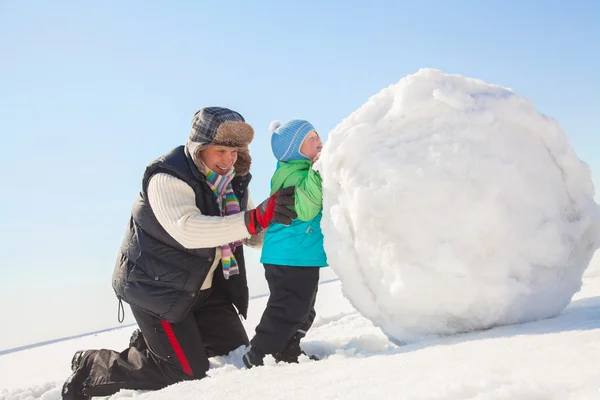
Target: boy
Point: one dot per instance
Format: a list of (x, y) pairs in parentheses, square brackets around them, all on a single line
[(292, 255)]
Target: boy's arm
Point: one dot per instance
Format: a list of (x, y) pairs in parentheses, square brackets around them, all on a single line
[(309, 196)]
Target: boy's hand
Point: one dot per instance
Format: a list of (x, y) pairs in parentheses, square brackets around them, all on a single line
[(274, 209)]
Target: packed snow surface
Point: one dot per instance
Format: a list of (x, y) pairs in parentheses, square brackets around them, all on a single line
[(452, 205), (553, 359)]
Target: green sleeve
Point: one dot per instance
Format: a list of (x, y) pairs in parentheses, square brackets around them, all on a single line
[(309, 196)]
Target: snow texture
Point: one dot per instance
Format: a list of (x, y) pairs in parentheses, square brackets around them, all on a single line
[(554, 359), (453, 205)]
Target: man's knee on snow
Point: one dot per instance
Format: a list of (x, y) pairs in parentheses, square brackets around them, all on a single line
[(182, 369)]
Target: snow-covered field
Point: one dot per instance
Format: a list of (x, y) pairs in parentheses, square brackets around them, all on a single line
[(557, 358)]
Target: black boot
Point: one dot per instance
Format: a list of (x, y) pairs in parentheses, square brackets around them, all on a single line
[(76, 360), (137, 340), (292, 351), (253, 358), (73, 388)]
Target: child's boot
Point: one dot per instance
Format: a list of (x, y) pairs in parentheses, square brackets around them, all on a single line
[(253, 358), (292, 351)]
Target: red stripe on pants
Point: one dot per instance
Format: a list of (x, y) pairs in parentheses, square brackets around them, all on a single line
[(175, 344)]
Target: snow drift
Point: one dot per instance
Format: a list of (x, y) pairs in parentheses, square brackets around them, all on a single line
[(452, 205)]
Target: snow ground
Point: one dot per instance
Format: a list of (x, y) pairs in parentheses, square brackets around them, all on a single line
[(556, 358)]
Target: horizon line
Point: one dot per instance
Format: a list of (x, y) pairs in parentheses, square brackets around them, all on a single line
[(65, 338)]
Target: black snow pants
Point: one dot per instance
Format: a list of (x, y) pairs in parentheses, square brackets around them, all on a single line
[(290, 309), (172, 352)]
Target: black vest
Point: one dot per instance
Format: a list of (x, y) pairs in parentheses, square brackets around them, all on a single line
[(157, 274)]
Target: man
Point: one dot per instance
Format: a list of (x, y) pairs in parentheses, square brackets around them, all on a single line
[(181, 264)]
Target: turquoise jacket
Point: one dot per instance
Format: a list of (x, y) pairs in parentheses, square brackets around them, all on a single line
[(301, 243)]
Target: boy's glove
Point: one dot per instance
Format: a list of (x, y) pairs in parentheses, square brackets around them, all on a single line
[(274, 209)]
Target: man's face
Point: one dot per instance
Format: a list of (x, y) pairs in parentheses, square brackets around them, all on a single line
[(219, 159)]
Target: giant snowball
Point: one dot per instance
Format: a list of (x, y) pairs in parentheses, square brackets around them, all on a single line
[(452, 205)]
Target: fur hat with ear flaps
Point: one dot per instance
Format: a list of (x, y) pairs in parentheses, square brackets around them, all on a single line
[(221, 126)]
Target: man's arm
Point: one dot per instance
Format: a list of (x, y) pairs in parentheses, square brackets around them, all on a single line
[(174, 205)]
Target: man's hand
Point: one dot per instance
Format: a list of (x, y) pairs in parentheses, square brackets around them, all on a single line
[(274, 209)]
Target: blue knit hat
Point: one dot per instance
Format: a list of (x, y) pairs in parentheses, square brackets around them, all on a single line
[(287, 139)]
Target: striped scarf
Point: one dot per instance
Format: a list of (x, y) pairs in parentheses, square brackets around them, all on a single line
[(228, 205)]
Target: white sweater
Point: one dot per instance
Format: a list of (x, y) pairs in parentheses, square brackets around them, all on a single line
[(174, 205)]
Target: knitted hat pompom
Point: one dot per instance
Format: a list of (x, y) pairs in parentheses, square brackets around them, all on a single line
[(274, 125)]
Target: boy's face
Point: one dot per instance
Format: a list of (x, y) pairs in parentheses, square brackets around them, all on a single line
[(312, 145), (219, 159)]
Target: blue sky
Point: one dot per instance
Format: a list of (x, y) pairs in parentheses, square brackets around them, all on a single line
[(91, 93)]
